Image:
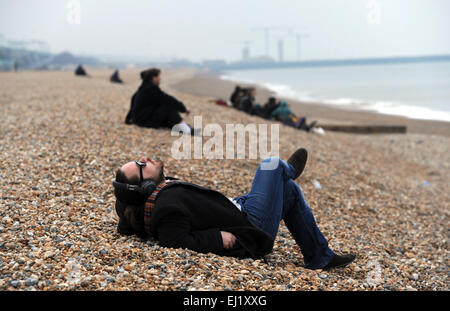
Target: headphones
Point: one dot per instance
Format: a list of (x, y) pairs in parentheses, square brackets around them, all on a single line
[(145, 188)]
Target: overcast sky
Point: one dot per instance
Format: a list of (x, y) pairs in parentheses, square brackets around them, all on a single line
[(210, 29)]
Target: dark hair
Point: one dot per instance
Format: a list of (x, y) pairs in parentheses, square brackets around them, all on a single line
[(149, 74), (131, 206)]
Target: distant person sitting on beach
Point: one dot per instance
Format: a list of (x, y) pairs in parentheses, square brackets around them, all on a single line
[(184, 215), (259, 111), (115, 77), (247, 101), (237, 95), (266, 110), (234, 96), (284, 114), (271, 105), (151, 107), (79, 71)]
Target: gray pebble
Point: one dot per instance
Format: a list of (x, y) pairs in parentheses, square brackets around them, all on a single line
[(31, 281), (110, 279)]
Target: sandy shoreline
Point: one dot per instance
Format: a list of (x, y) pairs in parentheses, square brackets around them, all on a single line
[(384, 197), (209, 84)]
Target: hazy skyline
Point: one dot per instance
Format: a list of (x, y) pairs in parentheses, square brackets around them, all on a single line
[(200, 29)]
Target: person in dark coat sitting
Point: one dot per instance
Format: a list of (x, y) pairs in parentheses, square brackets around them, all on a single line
[(238, 96), (271, 105), (79, 71), (151, 107), (235, 96), (115, 77), (247, 101), (184, 215)]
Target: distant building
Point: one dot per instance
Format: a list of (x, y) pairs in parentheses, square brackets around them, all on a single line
[(64, 58), (257, 60), (214, 63), (179, 62), (245, 54), (280, 51)]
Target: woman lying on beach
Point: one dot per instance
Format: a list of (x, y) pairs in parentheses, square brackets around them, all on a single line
[(151, 107), (183, 215), (284, 114)]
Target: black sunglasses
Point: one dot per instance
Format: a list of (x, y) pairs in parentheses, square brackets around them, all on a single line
[(141, 165)]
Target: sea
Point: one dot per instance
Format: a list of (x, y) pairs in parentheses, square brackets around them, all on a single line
[(413, 90)]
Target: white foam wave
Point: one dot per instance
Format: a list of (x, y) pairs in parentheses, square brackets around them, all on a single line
[(391, 108), (413, 112)]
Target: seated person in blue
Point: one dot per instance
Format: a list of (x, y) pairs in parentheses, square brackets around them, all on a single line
[(284, 114)]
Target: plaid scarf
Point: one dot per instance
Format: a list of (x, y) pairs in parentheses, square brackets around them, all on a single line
[(150, 203)]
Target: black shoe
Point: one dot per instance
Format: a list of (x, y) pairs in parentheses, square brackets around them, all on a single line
[(298, 161), (309, 127), (340, 261)]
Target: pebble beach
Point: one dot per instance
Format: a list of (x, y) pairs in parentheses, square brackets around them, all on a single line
[(385, 197)]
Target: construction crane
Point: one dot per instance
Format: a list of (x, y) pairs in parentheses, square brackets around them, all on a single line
[(299, 37), (280, 46), (268, 30)]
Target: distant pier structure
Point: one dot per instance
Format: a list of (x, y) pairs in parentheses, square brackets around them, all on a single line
[(333, 62)]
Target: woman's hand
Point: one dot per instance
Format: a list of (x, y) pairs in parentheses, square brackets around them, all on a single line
[(228, 239)]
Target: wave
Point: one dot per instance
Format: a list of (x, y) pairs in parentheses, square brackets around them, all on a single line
[(383, 107)]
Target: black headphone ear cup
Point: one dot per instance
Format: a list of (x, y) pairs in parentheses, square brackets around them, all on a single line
[(119, 185), (147, 187)]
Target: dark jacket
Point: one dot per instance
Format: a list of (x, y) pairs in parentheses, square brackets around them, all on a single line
[(151, 107), (115, 77), (79, 71), (270, 106), (283, 112), (190, 216), (246, 103), (234, 96)]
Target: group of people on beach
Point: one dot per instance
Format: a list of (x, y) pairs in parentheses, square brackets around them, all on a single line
[(152, 107), (179, 214), (80, 71), (244, 99)]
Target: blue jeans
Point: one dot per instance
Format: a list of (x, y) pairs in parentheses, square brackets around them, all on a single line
[(275, 196)]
